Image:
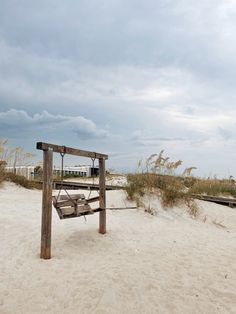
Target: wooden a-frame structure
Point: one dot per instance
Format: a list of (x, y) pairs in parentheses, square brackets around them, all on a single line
[(48, 150)]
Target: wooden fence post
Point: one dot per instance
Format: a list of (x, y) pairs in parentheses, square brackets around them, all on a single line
[(46, 205), (102, 194)]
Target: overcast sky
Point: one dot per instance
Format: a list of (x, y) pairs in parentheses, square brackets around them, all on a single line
[(126, 78)]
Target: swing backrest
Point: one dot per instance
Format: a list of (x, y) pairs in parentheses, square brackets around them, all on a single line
[(65, 200), (72, 200), (75, 205)]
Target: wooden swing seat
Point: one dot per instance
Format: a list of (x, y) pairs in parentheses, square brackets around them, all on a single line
[(74, 205)]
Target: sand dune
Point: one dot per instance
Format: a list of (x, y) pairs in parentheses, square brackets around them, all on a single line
[(167, 263)]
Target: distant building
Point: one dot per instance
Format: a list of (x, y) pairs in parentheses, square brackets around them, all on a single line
[(80, 171), (33, 172), (25, 171)]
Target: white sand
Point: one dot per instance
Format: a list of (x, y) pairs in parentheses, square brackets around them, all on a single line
[(116, 180), (144, 264)]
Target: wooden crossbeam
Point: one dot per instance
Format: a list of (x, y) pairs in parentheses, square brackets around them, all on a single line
[(69, 150)]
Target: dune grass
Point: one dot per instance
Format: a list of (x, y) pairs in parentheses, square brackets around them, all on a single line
[(177, 190), (171, 189), (19, 180), (214, 187), (156, 175), (2, 175)]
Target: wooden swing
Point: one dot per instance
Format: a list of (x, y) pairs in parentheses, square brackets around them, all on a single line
[(68, 206), (73, 205)]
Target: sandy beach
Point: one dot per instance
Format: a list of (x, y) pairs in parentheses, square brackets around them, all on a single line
[(168, 263)]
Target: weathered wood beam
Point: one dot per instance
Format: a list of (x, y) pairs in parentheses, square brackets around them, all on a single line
[(231, 202), (90, 212), (71, 202), (46, 205), (102, 195), (69, 150), (69, 185)]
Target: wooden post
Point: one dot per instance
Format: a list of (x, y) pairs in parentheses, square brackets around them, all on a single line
[(46, 205), (102, 194)]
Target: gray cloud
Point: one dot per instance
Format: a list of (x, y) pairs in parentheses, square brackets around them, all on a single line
[(140, 138), (19, 121), (226, 134), (76, 69), (196, 36)]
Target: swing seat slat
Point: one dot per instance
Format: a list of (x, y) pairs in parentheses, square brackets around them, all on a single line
[(63, 197), (69, 203), (75, 215), (69, 212), (73, 200), (74, 205)]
